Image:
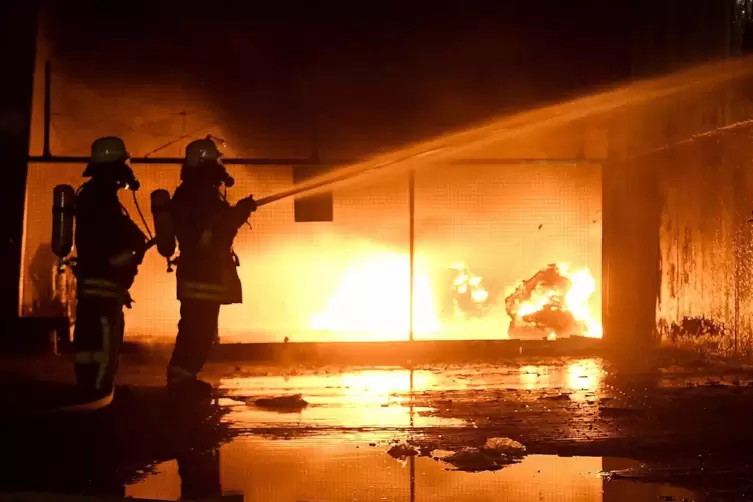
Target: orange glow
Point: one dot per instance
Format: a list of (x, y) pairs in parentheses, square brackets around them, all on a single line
[(574, 299), (354, 399), (374, 296), (585, 375), (371, 299), (466, 282)]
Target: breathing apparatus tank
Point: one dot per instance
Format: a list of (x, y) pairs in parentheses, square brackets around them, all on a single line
[(164, 233), (63, 211), (64, 284)]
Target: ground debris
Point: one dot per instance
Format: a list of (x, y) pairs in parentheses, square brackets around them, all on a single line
[(556, 397), (472, 460), (401, 451), (504, 446), (283, 404), (495, 455)]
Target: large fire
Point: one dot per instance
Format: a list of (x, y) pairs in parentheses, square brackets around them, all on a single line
[(374, 296), (373, 299)]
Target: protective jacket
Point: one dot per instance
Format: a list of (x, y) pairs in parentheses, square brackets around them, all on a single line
[(109, 245), (205, 226)]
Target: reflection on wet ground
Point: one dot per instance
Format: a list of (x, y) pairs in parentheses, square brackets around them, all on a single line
[(387, 397), (349, 469), (538, 429), (340, 424)]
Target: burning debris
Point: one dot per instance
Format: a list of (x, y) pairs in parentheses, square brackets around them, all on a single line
[(372, 297), (470, 298), (554, 301)]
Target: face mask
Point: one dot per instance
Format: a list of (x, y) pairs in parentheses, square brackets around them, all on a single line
[(214, 175), (119, 174), (129, 179)]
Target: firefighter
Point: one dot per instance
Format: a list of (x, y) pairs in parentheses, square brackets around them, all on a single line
[(110, 247), (205, 227)]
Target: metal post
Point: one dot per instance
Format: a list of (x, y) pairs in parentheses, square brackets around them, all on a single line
[(412, 462), (412, 237), (412, 458), (47, 109)]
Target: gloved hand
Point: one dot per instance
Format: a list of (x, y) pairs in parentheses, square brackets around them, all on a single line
[(247, 204)]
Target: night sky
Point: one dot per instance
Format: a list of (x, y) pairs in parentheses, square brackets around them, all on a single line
[(375, 74)]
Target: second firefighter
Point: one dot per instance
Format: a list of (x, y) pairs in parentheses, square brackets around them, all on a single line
[(110, 248), (205, 227)]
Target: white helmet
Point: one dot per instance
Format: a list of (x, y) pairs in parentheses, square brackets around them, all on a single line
[(109, 149), (201, 150)]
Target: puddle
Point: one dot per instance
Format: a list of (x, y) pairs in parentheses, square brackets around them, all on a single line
[(327, 435), (349, 469), (356, 399), (393, 397)]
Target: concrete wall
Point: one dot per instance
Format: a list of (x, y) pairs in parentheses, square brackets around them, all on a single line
[(671, 223), (678, 248), (705, 245)]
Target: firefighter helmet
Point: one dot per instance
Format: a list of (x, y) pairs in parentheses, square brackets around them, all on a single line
[(200, 151), (109, 149)]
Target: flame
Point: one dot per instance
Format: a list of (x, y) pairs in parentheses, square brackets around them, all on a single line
[(374, 296), (571, 297), (466, 280), (576, 299)]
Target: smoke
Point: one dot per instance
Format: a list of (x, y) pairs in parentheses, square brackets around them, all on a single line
[(370, 77)]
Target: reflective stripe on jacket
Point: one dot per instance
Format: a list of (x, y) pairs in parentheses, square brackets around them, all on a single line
[(101, 288), (205, 227), (195, 290), (212, 283)]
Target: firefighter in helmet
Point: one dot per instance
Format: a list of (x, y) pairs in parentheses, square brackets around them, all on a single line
[(205, 227), (110, 247)]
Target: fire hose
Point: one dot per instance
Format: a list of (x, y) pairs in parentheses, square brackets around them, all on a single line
[(297, 191), (338, 178)]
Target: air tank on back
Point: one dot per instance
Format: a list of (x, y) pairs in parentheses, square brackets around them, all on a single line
[(164, 233), (63, 211)]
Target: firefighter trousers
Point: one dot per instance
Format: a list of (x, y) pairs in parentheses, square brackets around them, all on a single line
[(197, 331), (97, 338)]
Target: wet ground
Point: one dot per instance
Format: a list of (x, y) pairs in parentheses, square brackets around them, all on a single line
[(523, 429)]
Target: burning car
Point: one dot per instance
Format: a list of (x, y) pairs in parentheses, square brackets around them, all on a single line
[(553, 303)]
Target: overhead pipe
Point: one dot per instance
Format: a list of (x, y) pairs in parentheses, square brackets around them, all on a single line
[(62, 159)]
